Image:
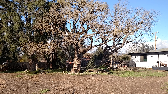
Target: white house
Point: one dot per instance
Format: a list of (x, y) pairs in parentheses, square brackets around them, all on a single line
[(150, 58)]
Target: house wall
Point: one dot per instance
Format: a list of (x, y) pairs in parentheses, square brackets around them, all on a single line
[(152, 60), (143, 64), (163, 58), (137, 60)]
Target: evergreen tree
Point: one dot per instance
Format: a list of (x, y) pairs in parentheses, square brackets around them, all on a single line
[(11, 28)]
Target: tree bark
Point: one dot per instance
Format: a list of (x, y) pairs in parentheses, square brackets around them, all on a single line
[(76, 63)]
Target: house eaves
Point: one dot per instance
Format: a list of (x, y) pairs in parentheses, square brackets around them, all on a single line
[(160, 50), (152, 52), (137, 53)]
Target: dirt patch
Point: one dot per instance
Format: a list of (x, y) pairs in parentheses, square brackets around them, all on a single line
[(59, 83)]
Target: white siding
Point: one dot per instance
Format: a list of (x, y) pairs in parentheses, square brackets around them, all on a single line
[(163, 58), (144, 64), (136, 59), (152, 59)]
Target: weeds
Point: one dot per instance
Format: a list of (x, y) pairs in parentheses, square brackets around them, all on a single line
[(165, 87), (100, 71), (124, 73), (19, 75), (44, 90), (54, 70), (139, 74)]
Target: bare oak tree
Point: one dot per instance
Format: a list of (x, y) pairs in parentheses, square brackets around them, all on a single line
[(85, 20), (127, 25)]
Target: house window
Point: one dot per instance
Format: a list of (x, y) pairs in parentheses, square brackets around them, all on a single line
[(143, 58)]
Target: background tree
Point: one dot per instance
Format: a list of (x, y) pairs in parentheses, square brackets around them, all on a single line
[(48, 26), (139, 48), (10, 30), (96, 58), (127, 25), (16, 25)]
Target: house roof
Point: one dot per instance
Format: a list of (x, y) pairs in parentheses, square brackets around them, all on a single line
[(137, 53), (163, 50), (160, 50)]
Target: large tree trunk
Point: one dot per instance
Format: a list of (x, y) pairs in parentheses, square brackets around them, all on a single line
[(54, 60), (111, 63), (33, 62), (76, 64), (32, 65)]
